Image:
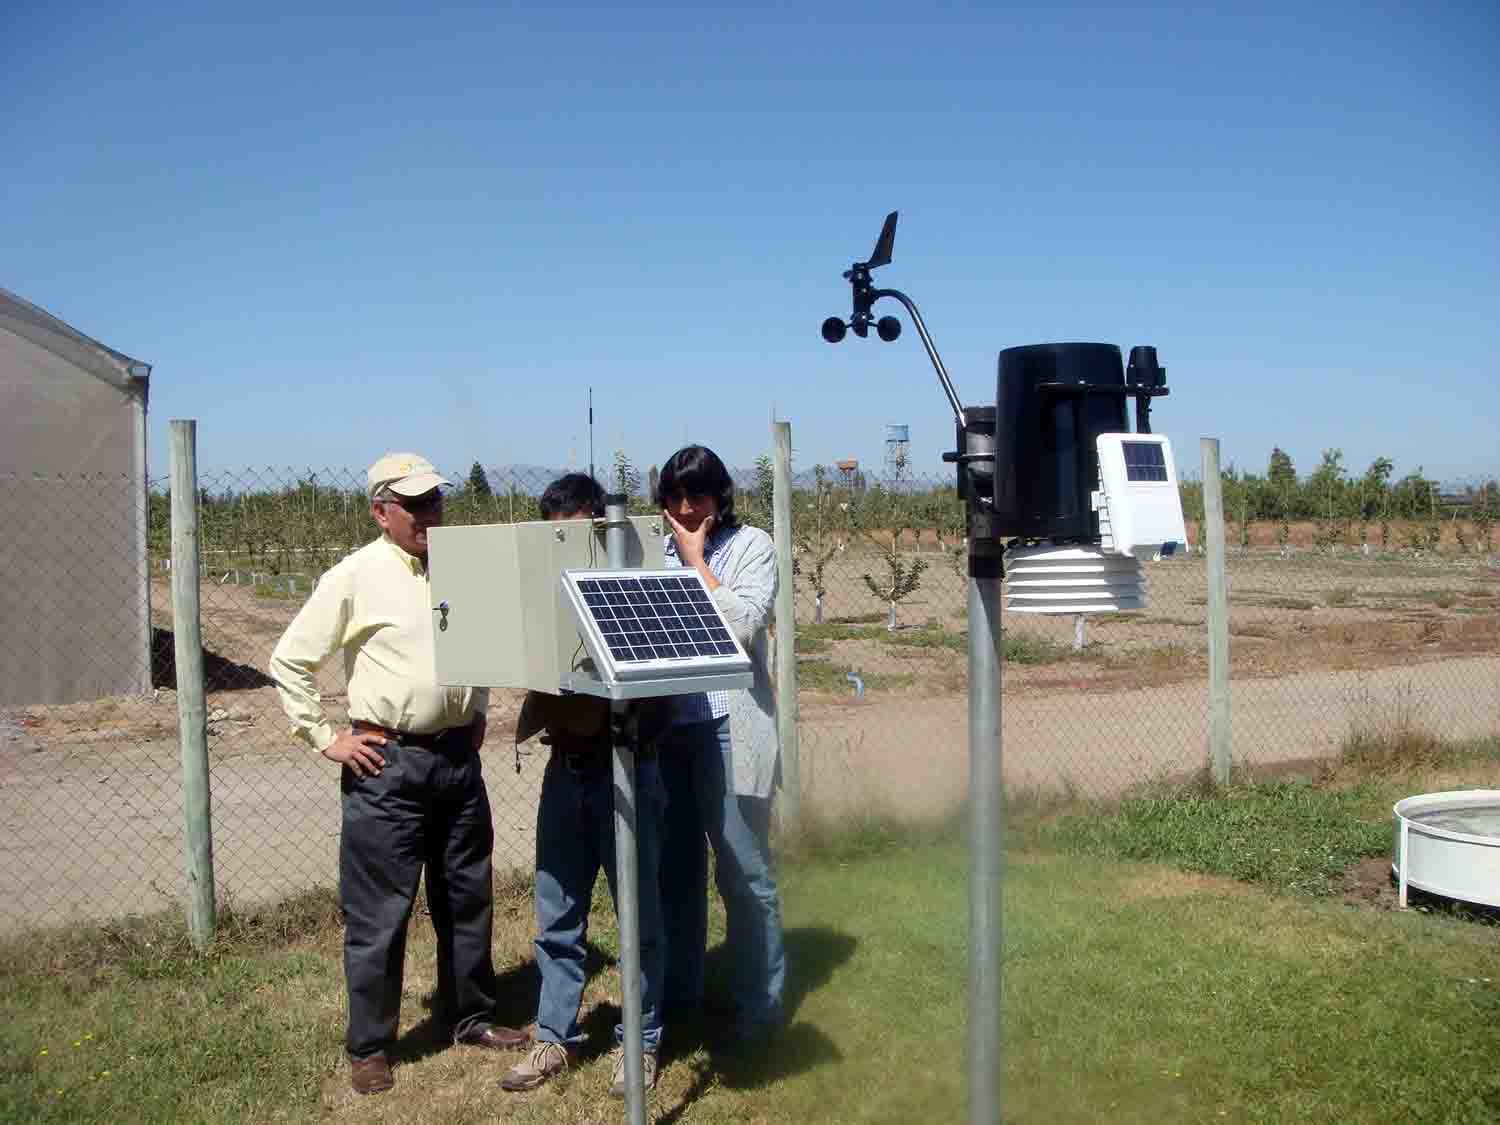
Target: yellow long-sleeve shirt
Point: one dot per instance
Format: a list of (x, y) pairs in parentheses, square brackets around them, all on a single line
[(375, 607)]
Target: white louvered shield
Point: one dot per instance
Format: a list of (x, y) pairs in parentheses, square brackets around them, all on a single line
[(1072, 579)]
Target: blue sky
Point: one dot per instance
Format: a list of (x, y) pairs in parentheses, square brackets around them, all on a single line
[(337, 228)]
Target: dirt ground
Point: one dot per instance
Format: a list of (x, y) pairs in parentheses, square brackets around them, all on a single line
[(90, 796)]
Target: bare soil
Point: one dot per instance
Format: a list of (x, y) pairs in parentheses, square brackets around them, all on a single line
[(1368, 883)]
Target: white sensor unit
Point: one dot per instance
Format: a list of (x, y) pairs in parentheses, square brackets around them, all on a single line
[(1140, 517), (650, 633), (1139, 505)]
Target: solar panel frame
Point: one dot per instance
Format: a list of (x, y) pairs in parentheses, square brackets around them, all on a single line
[(660, 627)]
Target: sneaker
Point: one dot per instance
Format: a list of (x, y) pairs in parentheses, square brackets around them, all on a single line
[(648, 1072), (545, 1060)]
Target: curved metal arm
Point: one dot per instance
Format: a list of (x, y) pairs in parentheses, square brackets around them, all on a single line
[(932, 353)]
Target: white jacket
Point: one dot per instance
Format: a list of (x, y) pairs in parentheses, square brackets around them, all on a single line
[(746, 596)]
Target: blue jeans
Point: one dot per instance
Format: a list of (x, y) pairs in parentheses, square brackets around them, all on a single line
[(697, 767), (575, 837)]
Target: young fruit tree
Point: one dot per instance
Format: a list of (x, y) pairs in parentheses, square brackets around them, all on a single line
[(903, 579), (822, 544)]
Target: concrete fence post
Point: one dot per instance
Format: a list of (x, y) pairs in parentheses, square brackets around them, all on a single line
[(786, 630), (1219, 734), (192, 711)]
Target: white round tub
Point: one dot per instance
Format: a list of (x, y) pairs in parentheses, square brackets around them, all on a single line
[(1449, 844)]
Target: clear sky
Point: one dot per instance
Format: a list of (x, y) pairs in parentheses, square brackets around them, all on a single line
[(335, 228)]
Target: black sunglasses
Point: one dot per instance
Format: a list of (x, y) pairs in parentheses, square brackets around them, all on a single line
[(415, 503)]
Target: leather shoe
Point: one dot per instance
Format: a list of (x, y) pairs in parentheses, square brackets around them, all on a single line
[(497, 1038), (371, 1075)]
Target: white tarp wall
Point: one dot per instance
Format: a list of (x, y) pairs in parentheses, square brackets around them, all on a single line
[(75, 613)]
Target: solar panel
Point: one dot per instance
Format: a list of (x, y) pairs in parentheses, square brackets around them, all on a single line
[(1144, 461), (660, 626)]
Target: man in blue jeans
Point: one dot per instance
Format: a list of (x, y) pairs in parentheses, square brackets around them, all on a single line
[(575, 837)]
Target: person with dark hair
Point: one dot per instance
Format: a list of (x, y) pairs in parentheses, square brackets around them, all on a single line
[(575, 496), (720, 761), (575, 837)]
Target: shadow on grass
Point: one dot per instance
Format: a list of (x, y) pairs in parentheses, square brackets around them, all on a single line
[(800, 1047), (1457, 909), (517, 990), (813, 953)]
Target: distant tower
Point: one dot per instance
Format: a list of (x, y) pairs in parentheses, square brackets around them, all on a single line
[(848, 470), (897, 466)]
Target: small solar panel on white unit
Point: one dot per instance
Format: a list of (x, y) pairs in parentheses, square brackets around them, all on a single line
[(658, 625)]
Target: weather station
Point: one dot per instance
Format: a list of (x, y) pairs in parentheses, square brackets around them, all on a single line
[(584, 607), (1059, 489)]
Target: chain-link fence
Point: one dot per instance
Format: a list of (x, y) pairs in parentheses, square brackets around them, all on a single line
[(1331, 638)]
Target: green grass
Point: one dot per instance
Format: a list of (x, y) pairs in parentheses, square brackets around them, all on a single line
[(1289, 836), (1132, 992), (926, 636)]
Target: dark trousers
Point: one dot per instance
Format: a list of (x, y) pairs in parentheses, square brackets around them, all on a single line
[(427, 808)]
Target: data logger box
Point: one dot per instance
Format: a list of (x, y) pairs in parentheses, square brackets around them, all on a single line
[(496, 617)]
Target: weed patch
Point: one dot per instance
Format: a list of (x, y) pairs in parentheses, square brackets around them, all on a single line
[(1390, 733), (1289, 836), (1023, 648)]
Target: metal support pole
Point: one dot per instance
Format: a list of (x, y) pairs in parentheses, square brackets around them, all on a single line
[(1219, 734), (786, 633), (986, 827), (192, 711), (932, 352), (627, 890), (1403, 856), (975, 457)]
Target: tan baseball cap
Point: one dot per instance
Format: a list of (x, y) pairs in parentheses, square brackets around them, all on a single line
[(406, 474)]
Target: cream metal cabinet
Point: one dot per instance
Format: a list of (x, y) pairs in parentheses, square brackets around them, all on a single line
[(497, 618)]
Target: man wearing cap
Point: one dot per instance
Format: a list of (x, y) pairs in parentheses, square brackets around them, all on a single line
[(413, 793)]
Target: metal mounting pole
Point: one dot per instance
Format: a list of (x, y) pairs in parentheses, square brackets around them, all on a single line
[(627, 890), (986, 827), (975, 458)]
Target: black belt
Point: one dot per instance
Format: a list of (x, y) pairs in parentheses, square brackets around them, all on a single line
[(439, 740), (587, 763)]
